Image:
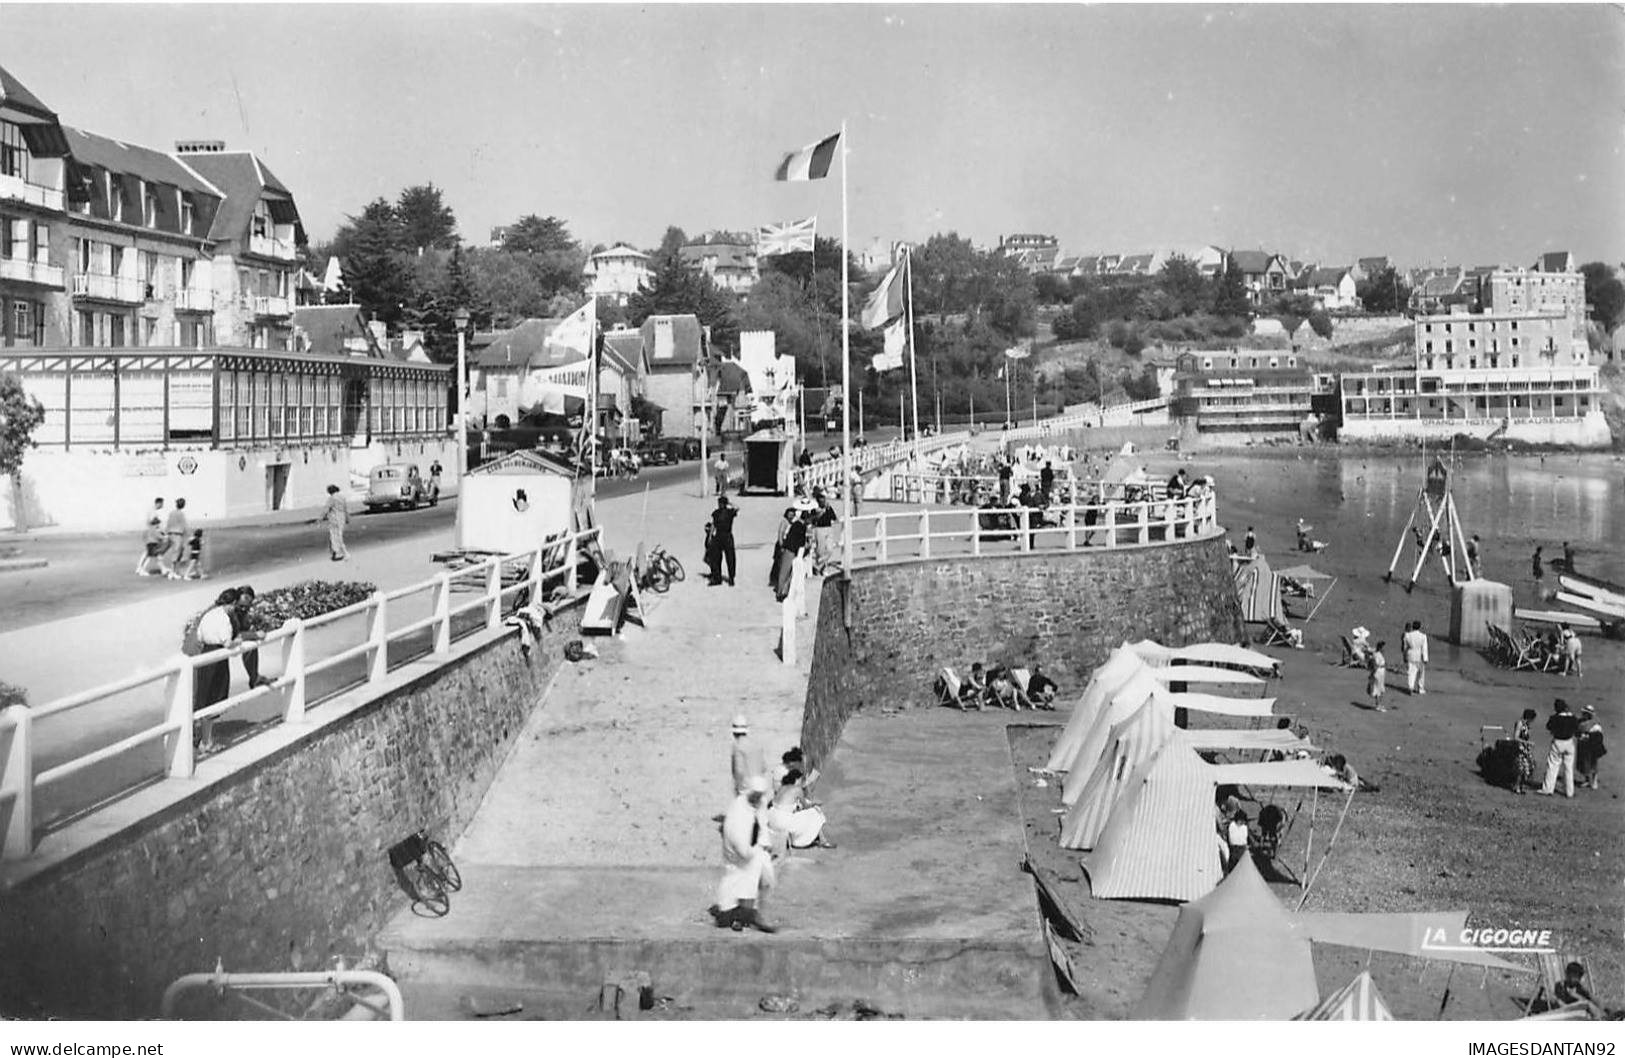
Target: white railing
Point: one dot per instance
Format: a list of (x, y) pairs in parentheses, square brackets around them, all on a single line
[(30, 271), (15, 187), (880, 539), (338, 982), (944, 489), (267, 246), (826, 472), (194, 300), (271, 306), (113, 288), (496, 580)]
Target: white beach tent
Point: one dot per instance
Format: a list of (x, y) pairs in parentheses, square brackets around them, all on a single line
[(1140, 690), (1218, 703), (1159, 842), (1221, 655), (1121, 664), (1204, 674), (1132, 742)]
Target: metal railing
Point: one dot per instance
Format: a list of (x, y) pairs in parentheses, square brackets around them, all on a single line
[(270, 246), (497, 581), (826, 472), (880, 539), (339, 982)]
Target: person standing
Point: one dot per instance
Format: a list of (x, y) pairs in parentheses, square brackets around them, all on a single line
[(722, 541), (337, 515), (826, 549), (240, 630), (1588, 748), (1377, 675), (747, 864), (1535, 567), (790, 551), (1568, 558), (1569, 643), (1414, 645), (1236, 833), (1563, 726), (745, 760), (154, 517), (211, 681), (1046, 481), (1005, 472), (176, 532), (719, 471), (435, 470), (1249, 543), (1472, 555)]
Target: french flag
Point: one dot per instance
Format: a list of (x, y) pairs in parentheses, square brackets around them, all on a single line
[(811, 162)]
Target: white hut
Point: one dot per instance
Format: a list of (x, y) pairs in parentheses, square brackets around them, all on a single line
[(515, 503)]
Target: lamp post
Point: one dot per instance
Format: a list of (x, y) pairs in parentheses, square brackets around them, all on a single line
[(461, 319)]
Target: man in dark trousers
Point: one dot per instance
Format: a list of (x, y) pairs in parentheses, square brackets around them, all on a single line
[(1046, 481), (722, 541), (1562, 726)]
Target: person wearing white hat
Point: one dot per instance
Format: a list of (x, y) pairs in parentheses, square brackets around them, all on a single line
[(747, 866), (747, 759)]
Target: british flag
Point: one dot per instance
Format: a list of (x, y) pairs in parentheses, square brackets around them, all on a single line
[(794, 236)]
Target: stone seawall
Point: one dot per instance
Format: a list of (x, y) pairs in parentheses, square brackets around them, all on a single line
[(281, 864), (1067, 611)]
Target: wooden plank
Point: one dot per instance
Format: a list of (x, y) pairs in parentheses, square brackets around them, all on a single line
[(1055, 906), (1062, 961)]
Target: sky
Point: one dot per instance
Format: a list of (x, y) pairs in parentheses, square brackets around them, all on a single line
[(1450, 134)]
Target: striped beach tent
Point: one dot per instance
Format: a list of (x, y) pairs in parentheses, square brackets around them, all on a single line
[(1159, 842), (1234, 955), (1358, 1000), (1121, 664), (1123, 703), (1130, 744), (1259, 590)]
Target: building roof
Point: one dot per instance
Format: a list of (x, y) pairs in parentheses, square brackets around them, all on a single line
[(728, 255), (87, 148), (244, 180), (1136, 263), (1373, 265), (620, 249), (15, 95), (329, 327), (1441, 285), (1325, 277), (525, 346), (624, 349), (527, 461), (1252, 261), (684, 347), (1555, 261)]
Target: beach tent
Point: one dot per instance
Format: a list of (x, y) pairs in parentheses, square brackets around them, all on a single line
[(1222, 655), (1246, 740), (1233, 955), (1121, 664), (1309, 573), (1215, 703), (1358, 1000), (1159, 842), (1120, 705), (1132, 742), (1259, 590), (1204, 674)]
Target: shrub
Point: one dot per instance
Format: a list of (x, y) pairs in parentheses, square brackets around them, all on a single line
[(304, 600), (1133, 343), (1321, 323), (1117, 333), (11, 694)]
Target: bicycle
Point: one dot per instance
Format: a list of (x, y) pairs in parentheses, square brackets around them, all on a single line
[(661, 569), (425, 871)]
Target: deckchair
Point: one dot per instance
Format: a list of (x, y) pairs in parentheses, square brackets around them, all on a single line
[(948, 687), (1549, 968), (1277, 633), (1350, 660)]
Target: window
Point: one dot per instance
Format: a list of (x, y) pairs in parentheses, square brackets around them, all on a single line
[(13, 151), (115, 331), (262, 221), (14, 239), (188, 215), (149, 330), (225, 420), (42, 243), (243, 289), (149, 207), (115, 196), (84, 328)]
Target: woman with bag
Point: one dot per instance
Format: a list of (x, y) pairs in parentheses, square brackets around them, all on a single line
[(213, 630)]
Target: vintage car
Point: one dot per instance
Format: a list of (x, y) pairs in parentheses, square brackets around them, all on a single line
[(396, 485), (660, 452)]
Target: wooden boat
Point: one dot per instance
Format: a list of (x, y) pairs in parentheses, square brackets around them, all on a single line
[(1590, 605), (1594, 589), (1576, 621)]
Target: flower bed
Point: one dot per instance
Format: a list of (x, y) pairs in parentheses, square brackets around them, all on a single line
[(11, 694), (305, 600)]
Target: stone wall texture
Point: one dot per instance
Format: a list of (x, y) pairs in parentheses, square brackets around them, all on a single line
[(282, 866), (1067, 611)]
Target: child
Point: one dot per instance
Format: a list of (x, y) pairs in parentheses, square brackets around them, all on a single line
[(191, 564), (1377, 666), (153, 546)]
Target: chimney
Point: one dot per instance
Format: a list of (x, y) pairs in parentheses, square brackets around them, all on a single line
[(199, 146), (380, 331)]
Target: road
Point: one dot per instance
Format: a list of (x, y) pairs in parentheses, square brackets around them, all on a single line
[(94, 571)]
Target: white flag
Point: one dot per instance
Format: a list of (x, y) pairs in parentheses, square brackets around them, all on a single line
[(895, 343), (575, 331), (887, 300)]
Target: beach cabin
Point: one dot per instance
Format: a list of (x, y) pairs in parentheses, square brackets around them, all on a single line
[(769, 462), (515, 503)]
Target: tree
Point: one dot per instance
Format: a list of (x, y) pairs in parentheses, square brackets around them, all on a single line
[(1604, 294), (20, 416), (1186, 287), (1320, 323), (1052, 288), (424, 220), (677, 290), (1231, 297), (1077, 322), (1383, 291), (539, 235), (377, 275)]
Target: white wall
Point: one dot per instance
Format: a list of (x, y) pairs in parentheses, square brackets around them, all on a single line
[(1587, 431)]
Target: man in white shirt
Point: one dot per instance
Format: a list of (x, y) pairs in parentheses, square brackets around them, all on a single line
[(212, 680), (747, 864), (1414, 644)]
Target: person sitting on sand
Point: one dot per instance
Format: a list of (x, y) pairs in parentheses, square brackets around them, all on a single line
[(1237, 835), (1572, 991), (1003, 692), (1041, 689), (974, 690), (1338, 767), (793, 822)]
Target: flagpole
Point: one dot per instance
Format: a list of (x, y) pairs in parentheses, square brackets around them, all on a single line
[(592, 392), (1007, 369), (846, 377), (1032, 373), (913, 369)]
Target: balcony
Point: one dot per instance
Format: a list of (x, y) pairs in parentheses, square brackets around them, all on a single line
[(17, 189), (194, 300), (264, 306), (108, 288), (31, 272), (268, 246)]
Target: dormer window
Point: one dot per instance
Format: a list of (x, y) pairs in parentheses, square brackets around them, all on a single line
[(188, 216), (262, 222), (149, 207), (13, 151), (115, 197)]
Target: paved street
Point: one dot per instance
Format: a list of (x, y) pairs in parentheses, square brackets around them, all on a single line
[(94, 571)]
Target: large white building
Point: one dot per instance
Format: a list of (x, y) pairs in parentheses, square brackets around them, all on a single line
[(618, 272)]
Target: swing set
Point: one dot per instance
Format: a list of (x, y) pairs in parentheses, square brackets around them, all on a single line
[(1436, 527)]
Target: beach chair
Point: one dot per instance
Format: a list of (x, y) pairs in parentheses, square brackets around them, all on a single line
[(948, 689), (1020, 677), (1549, 969), (1351, 659), (1277, 633)]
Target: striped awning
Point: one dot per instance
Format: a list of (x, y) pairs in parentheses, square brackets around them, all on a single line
[(1217, 703), (1305, 773), (1358, 1000), (1216, 654), (1203, 674)]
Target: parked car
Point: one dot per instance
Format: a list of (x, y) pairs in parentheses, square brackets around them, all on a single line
[(396, 485), (691, 448), (660, 452)]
